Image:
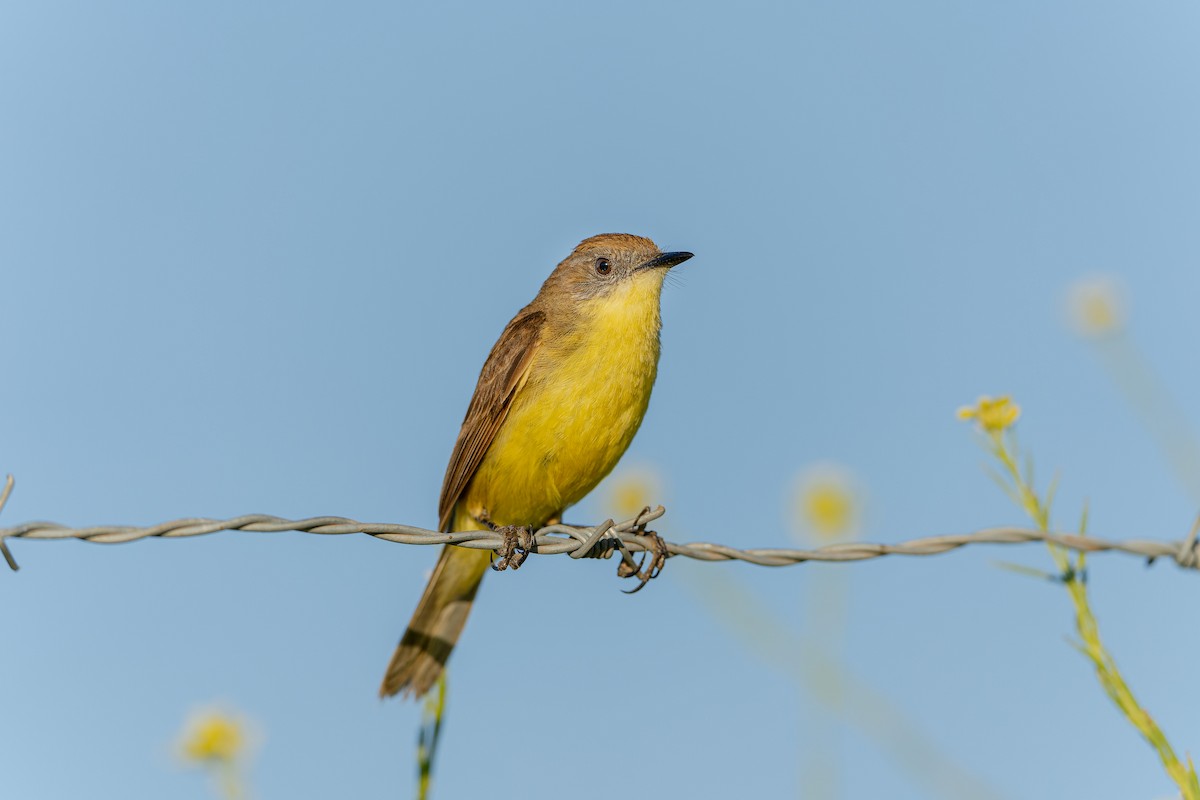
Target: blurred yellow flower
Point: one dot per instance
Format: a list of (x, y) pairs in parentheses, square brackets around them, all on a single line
[(993, 415), (633, 489), (212, 736), (827, 503), (1095, 307)]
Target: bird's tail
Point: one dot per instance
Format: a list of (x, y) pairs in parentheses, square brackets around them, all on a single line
[(438, 620)]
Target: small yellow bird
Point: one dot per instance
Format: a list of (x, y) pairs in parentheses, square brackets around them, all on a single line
[(559, 399)]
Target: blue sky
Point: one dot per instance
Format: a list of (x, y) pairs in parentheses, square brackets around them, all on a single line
[(252, 260)]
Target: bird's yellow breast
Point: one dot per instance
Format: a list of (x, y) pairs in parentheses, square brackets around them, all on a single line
[(578, 410)]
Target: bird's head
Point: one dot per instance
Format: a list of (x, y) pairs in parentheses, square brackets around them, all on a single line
[(610, 265)]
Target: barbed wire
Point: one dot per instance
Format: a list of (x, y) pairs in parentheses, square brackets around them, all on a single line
[(601, 541)]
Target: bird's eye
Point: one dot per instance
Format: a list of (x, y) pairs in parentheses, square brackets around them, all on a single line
[(603, 266)]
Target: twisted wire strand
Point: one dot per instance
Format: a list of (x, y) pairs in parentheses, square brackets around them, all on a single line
[(601, 541)]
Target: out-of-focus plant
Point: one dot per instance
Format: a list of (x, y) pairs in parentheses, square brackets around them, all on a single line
[(826, 507), (995, 419), (828, 504), (1096, 310), (1096, 307), (216, 740), (432, 712), (632, 489)]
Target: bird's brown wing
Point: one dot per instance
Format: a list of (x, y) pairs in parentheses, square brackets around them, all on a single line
[(501, 377)]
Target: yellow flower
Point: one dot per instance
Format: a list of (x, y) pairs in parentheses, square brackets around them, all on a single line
[(826, 501), (634, 489), (1094, 306), (212, 736), (992, 415)]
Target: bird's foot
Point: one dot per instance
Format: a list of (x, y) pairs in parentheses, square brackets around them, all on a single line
[(657, 556), (518, 543)]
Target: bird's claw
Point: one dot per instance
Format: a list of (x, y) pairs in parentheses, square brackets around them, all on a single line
[(519, 542), (657, 555)]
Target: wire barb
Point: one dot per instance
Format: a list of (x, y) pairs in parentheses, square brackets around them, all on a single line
[(8, 556), (1189, 553), (592, 547)]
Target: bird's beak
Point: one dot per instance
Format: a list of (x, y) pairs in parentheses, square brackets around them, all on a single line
[(666, 261)]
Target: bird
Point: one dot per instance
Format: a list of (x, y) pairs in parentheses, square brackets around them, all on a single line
[(559, 399)]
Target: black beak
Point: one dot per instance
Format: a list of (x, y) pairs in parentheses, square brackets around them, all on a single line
[(666, 260)]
